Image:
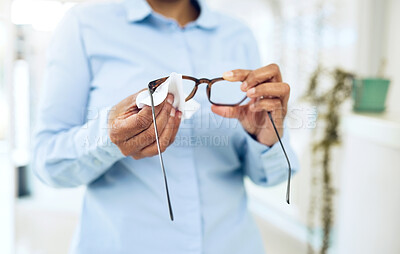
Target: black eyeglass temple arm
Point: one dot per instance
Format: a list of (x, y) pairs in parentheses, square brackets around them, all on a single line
[(287, 159), (171, 214), (151, 91)]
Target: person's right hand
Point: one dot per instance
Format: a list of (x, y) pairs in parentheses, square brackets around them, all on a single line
[(132, 129)]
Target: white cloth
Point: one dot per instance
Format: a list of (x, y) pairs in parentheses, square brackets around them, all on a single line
[(172, 85)]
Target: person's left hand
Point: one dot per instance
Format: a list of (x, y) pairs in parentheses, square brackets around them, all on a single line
[(268, 93)]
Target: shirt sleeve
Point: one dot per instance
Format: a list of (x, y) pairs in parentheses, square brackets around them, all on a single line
[(71, 144), (264, 165), (267, 166)]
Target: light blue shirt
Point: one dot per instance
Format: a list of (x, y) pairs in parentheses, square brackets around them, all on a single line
[(100, 54)]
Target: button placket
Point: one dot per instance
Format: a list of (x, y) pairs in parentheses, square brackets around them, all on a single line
[(195, 183)]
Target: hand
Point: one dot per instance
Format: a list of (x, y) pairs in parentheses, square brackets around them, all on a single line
[(132, 129), (268, 94)]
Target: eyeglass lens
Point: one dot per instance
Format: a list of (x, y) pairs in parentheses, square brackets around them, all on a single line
[(226, 92)]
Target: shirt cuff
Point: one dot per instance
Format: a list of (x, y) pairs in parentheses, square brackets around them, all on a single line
[(272, 159), (255, 146), (94, 139)]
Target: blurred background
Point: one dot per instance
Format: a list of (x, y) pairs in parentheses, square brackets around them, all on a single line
[(350, 204)]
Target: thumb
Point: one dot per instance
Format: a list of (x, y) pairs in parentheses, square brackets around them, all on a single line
[(236, 75), (226, 111)]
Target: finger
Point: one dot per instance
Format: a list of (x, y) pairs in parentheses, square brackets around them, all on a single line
[(266, 105), (269, 73), (236, 75), (125, 128), (270, 105), (281, 90), (229, 111), (126, 105), (146, 112), (164, 139), (166, 134), (148, 136), (176, 126)]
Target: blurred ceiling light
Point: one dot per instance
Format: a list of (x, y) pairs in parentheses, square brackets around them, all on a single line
[(43, 15)]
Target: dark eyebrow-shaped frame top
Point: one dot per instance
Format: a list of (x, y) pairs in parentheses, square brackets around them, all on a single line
[(156, 83)]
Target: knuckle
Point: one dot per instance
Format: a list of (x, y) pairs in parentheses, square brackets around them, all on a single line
[(164, 144), (171, 124), (286, 87), (259, 77), (118, 126), (143, 121), (162, 123), (167, 109), (137, 156), (266, 104), (148, 137), (125, 151), (255, 107), (274, 66), (113, 137), (153, 151), (260, 89), (152, 135), (150, 152), (276, 104), (252, 76), (112, 124), (162, 116), (159, 107)]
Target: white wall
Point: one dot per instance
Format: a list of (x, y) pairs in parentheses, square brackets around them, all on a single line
[(393, 53), (379, 38), (368, 220)]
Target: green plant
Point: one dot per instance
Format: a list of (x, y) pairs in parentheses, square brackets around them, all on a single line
[(327, 90)]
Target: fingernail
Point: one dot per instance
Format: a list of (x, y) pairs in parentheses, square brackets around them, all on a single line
[(251, 91), (244, 86), (170, 98), (228, 74), (172, 112), (179, 114)]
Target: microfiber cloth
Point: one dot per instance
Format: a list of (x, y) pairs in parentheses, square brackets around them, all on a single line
[(172, 85)]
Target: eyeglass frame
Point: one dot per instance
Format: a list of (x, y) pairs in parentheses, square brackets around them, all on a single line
[(153, 85), (156, 83)]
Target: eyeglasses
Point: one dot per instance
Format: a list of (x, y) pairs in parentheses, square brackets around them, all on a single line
[(220, 93)]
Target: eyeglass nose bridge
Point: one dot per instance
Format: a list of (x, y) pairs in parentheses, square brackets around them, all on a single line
[(207, 81), (204, 80), (198, 82)]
